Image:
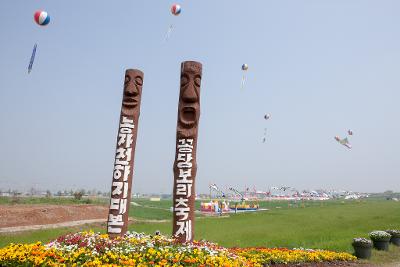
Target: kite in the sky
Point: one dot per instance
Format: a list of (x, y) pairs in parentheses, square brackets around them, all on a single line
[(175, 10), (32, 58), (350, 132), (344, 141), (245, 67)]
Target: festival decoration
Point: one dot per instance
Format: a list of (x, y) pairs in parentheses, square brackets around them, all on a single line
[(41, 18)]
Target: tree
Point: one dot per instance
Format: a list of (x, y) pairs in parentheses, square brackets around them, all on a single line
[(78, 195)]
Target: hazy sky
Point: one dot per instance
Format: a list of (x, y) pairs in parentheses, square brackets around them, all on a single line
[(318, 67)]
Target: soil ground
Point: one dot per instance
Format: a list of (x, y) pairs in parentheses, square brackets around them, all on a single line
[(29, 217), (25, 215)]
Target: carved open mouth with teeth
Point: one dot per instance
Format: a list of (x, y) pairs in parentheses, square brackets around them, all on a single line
[(187, 116)]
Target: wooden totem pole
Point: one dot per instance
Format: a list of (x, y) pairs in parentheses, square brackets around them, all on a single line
[(185, 166), (117, 223)]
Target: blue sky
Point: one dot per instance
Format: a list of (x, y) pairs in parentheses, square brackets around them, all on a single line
[(318, 67)]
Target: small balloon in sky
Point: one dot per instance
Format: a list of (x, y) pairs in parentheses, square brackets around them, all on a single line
[(176, 9), (266, 117), (41, 17), (244, 68)]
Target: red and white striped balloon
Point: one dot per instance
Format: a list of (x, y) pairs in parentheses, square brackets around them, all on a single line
[(176, 9), (41, 17)]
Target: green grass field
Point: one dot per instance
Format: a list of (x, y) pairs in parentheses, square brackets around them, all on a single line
[(330, 225)]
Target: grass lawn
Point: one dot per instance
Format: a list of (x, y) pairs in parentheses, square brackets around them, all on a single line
[(379, 257), (331, 226)]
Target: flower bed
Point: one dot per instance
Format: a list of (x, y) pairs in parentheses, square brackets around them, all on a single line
[(91, 249), (256, 256)]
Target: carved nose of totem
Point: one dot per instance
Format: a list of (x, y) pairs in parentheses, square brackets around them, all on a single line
[(189, 95), (132, 89)]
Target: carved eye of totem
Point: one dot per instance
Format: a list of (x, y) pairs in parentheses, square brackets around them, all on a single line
[(197, 80), (127, 80), (184, 80), (138, 81)]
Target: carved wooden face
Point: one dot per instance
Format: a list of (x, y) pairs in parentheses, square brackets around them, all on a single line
[(189, 106), (132, 91)]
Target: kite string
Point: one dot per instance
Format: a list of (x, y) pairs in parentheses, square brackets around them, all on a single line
[(168, 32), (265, 135), (243, 81)]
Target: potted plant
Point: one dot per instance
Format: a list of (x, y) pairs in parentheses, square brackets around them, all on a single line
[(362, 247), (380, 239), (395, 237)]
